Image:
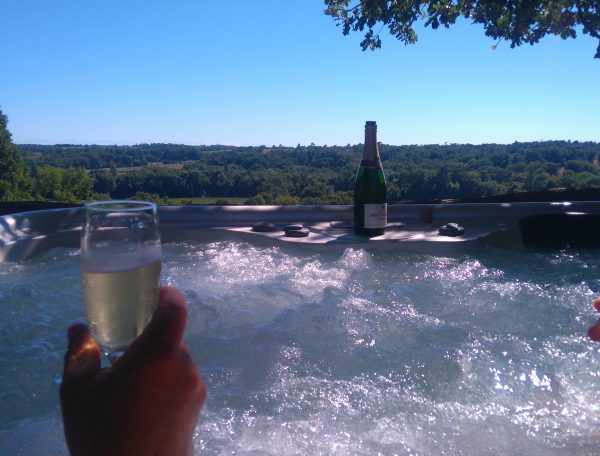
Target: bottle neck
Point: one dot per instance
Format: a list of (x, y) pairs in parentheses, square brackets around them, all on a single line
[(371, 150)]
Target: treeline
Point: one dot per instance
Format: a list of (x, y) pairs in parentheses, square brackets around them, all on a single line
[(322, 174), (96, 157), (21, 181), (288, 175), (290, 185)]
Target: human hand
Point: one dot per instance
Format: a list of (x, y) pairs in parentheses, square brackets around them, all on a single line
[(147, 403), (594, 331)]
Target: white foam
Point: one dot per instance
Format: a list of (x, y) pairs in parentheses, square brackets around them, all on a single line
[(345, 354)]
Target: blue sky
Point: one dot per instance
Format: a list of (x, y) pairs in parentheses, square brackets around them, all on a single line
[(276, 71)]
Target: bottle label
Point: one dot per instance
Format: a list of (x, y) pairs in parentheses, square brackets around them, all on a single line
[(375, 215)]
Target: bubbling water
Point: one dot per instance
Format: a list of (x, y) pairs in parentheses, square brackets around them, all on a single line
[(343, 353)]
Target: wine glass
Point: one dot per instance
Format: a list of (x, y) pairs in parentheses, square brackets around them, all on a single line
[(120, 265)]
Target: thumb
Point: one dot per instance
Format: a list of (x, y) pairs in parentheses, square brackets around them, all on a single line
[(83, 355), (594, 332), (164, 332)]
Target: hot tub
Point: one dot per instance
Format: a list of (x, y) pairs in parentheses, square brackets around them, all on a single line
[(413, 343)]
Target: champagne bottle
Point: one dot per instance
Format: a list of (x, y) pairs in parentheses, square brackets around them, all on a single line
[(370, 193)]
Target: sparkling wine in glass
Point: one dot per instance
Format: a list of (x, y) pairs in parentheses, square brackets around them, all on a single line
[(120, 265)]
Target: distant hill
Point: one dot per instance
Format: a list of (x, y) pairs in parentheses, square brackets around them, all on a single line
[(325, 174)]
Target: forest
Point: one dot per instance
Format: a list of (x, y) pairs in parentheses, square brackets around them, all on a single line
[(306, 174), (181, 174)]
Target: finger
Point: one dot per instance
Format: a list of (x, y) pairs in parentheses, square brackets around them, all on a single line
[(594, 332), (597, 304), (82, 359), (164, 332), (193, 379)]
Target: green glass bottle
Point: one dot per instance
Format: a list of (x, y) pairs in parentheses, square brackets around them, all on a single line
[(370, 193)]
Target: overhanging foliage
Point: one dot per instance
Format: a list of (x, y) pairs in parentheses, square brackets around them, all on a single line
[(516, 21)]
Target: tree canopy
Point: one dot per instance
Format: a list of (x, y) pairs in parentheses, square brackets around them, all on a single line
[(309, 174), (515, 21), (14, 179)]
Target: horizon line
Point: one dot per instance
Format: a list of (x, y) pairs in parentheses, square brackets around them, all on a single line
[(125, 144)]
